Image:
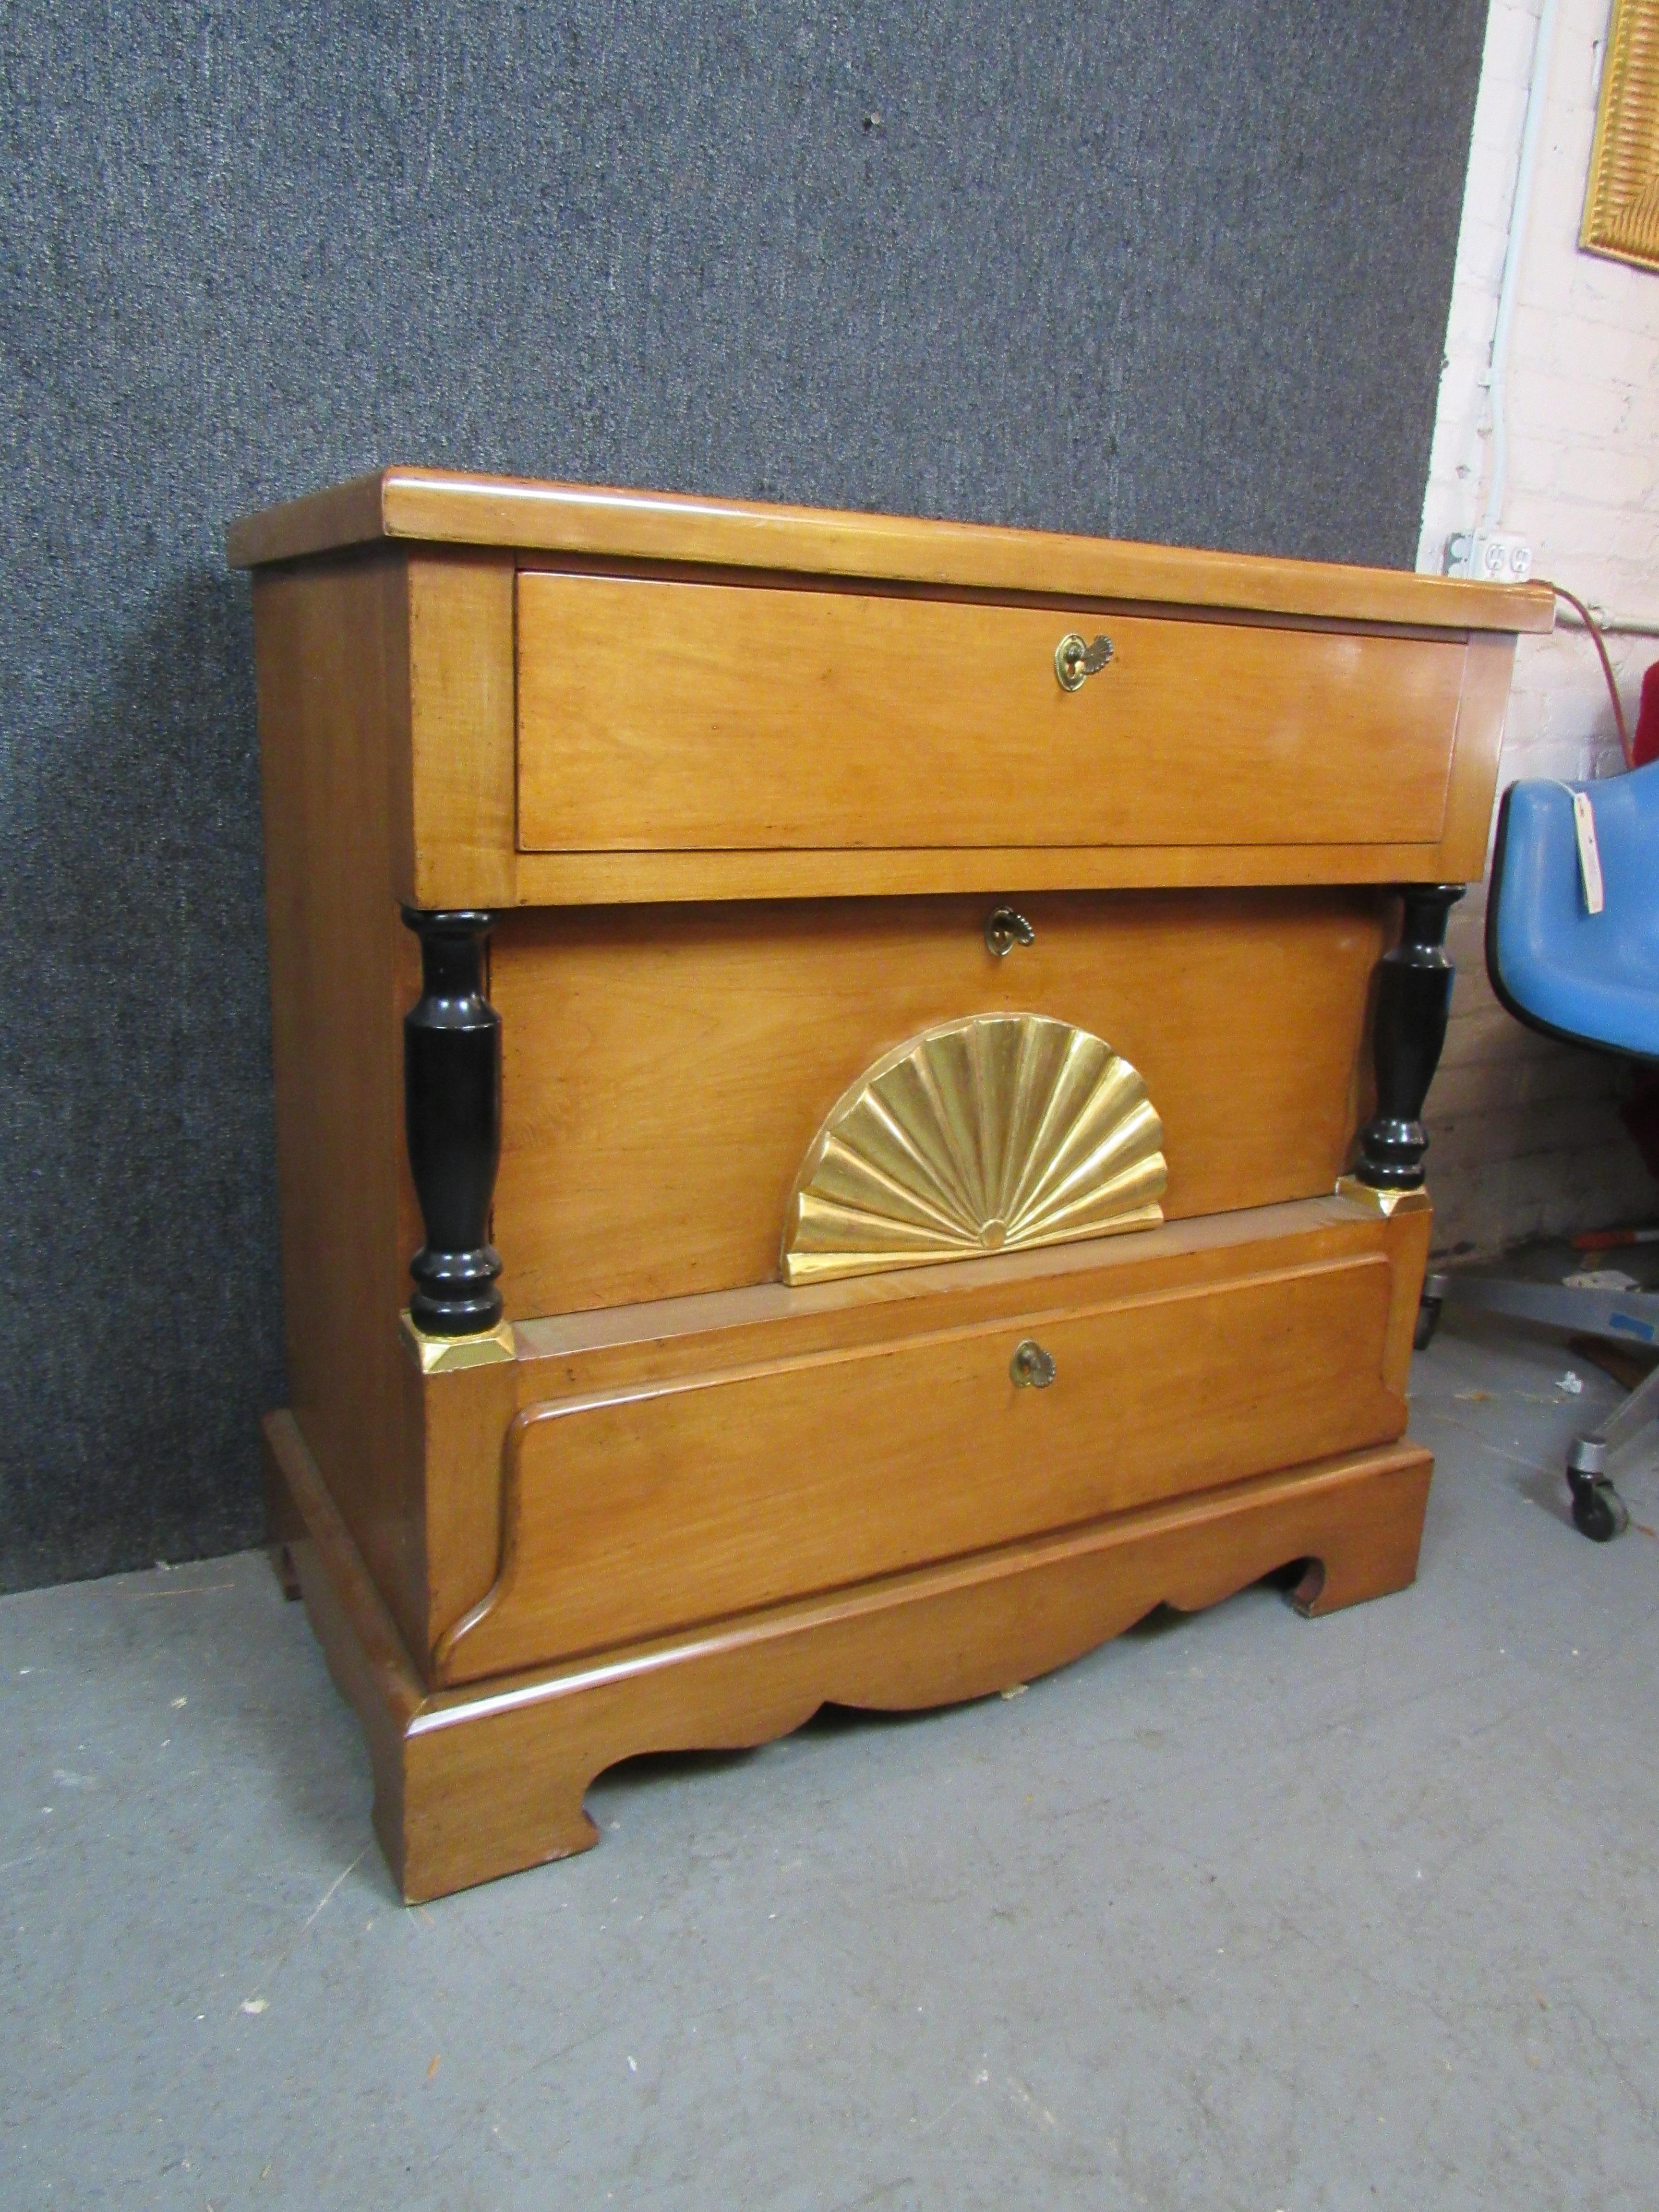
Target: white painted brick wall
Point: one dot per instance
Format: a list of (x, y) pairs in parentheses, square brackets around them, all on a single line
[(1526, 1138)]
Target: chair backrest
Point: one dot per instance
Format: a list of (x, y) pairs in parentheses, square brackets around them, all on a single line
[(1591, 978)]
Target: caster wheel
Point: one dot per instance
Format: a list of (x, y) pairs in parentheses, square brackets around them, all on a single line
[(1598, 1511), (1428, 1320)]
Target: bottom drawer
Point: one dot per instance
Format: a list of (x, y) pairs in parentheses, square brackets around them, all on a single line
[(635, 1510)]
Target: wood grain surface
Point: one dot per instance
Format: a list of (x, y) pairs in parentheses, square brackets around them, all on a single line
[(1473, 785), (457, 812), (636, 1348), (441, 507), (703, 716), (475, 1782), (735, 1500), (650, 1509), (665, 1069), (549, 880), (342, 969)]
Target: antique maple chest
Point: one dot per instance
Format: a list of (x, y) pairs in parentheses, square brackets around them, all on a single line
[(848, 1105)]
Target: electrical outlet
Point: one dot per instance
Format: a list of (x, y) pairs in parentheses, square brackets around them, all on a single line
[(1489, 556)]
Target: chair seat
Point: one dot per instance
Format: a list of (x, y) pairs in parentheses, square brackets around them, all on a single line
[(1591, 978)]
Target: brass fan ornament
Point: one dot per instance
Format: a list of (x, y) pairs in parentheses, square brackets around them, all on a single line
[(987, 1134)]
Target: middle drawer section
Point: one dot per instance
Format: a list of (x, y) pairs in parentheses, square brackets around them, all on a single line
[(665, 1068)]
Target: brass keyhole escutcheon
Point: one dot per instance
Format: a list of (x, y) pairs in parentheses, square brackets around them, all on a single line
[(1031, 1367), (1075, 661), (1006, 928)]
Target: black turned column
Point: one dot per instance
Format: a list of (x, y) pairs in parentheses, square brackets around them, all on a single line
[(453, 1114), (1414, 998)]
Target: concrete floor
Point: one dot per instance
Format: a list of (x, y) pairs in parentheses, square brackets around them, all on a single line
[(1241, 1911)]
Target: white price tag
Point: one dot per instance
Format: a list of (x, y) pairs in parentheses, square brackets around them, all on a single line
[(1590, 860)]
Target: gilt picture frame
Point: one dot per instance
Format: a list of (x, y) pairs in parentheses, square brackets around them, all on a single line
[(1621, 200)]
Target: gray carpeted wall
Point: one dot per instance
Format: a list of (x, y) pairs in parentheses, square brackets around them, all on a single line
[(1172, 268)]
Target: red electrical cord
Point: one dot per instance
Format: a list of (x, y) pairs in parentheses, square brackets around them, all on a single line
[(1600, 643)]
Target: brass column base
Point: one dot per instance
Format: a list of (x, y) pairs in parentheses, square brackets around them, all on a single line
[(1385, 1202), (447, 1355)]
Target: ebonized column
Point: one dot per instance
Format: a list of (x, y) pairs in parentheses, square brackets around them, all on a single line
[(1414, 998), (452, 1116)]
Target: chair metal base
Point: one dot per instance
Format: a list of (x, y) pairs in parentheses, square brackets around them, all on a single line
[(1623, 1316)]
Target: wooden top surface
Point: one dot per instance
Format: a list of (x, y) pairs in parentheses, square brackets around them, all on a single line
[(437, 507)]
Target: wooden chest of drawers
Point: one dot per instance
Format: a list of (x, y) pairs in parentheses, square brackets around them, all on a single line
[(896, 1049)]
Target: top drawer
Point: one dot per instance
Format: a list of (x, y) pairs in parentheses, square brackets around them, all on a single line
[(660, 716)]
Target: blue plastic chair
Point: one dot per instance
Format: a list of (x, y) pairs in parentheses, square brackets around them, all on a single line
[(1590, 979)]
